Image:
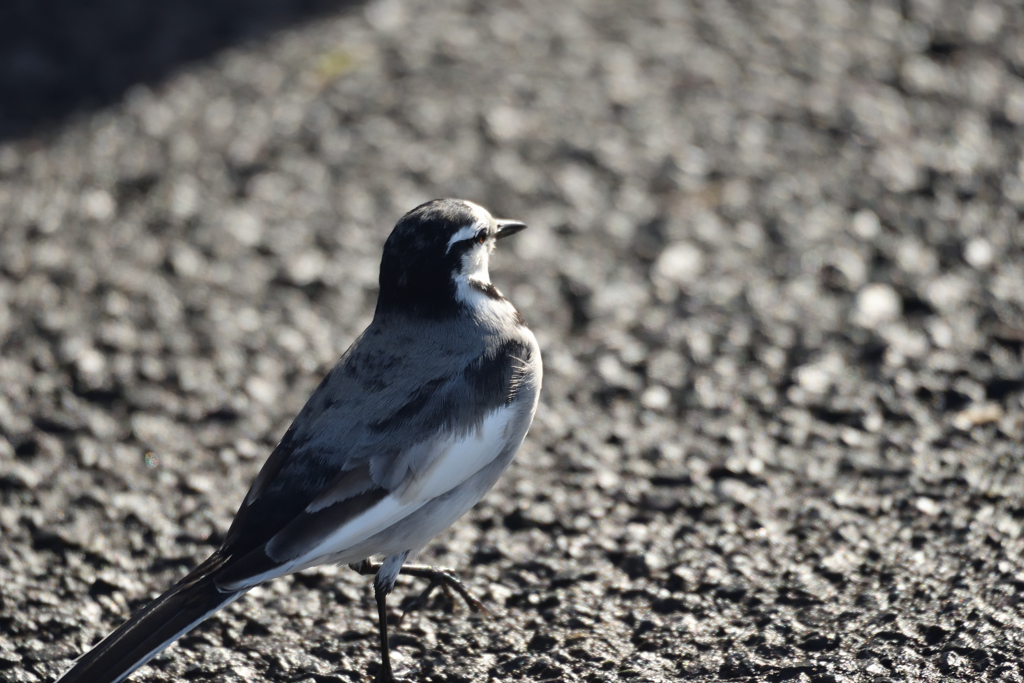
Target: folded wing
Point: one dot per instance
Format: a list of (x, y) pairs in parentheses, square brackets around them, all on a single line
[(360, 468)]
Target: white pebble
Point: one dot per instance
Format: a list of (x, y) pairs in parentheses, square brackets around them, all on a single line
[(98, 205), (813, 379), (866, 224), (927, 506), (305, 267), (877, 303), (978, 253), (505, 123), (261, 390), (244, 225), (818, 377), (680, 263), (985, 21), (979, 414), (184, 201), (386, 16), (91, 362), (656, 397), (614, 374)]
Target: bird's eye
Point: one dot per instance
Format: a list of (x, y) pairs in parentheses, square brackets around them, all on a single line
[(481, 237)]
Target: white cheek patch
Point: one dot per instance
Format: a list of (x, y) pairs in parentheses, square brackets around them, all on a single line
[(474, 264)]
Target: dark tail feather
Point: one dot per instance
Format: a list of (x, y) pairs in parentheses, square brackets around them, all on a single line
[(159, 624)]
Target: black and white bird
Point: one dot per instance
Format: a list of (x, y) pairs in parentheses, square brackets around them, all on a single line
[(410, 429)]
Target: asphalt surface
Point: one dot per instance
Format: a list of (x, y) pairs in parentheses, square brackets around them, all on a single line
[(775, 267)]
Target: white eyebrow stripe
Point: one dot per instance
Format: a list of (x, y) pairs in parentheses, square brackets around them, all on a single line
[(464, 233)]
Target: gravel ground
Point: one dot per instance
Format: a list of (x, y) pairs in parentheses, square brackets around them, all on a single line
[(775, 267)]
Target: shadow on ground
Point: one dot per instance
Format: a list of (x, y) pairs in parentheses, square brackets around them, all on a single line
[(62, 56)]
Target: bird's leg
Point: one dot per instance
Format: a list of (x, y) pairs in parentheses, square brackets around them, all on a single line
[(385, 675), (384, 575)]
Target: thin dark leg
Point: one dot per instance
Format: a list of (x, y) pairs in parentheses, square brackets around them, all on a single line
[(385, 675), (437, 577)]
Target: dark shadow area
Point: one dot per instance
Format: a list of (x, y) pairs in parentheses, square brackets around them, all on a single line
[(58, 57)]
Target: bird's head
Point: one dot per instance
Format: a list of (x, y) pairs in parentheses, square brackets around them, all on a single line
[(437, 253)]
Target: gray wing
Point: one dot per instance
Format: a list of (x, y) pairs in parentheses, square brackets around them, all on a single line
[(350, 445)]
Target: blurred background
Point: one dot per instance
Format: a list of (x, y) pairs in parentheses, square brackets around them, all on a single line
[(774, 265)]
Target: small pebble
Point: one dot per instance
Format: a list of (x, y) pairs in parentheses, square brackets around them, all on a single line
[(877, 303)]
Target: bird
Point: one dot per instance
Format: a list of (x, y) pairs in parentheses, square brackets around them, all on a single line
[(413, 425)]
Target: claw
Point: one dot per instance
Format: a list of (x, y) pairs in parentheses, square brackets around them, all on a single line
[(418, 601)]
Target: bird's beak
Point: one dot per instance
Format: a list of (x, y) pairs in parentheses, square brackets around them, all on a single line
[(507, 227)]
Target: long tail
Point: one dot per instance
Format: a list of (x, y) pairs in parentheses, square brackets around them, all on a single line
[(159, 624)]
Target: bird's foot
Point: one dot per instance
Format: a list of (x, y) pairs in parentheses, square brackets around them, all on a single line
[(384, 675), (446, 580), (437, 576)]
